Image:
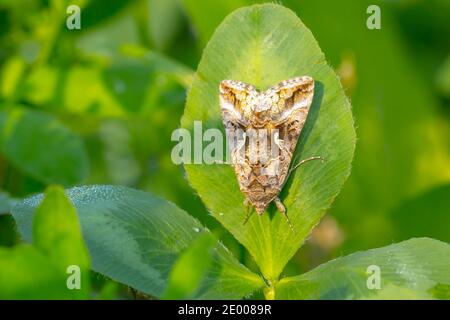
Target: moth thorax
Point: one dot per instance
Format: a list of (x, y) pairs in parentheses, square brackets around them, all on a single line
[(263, 103)]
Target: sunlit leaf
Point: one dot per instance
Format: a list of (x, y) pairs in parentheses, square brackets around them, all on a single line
[(262, 45), (407, 270), (135, 238), (26, 273), (57, 233), (57, 265)]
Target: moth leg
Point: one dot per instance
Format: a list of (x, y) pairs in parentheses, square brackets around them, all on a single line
[(248, 210), (282, 209), (304, 161)]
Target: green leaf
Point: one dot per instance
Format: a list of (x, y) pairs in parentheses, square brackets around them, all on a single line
[(57, 233), (42, 271), (135, 238), (40, 146), (26, 273), (408, 270), (262, 45), (190, 269), (6, 202)]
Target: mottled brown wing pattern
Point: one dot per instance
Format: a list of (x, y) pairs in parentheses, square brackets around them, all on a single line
[(266, 126), (289, 117)]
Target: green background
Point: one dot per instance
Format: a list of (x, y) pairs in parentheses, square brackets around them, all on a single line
[(98, 106)]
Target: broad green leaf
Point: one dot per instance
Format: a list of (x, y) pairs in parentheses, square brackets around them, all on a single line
[(135, 238), (40, 146), (26, 273), (262, 45), (413, 269), (57, 233)]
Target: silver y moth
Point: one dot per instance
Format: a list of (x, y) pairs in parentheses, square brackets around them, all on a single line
[(268, 124)]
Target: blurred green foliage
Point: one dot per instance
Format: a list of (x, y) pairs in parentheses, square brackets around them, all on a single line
[(40, 271), (98, 105), (137, 239)]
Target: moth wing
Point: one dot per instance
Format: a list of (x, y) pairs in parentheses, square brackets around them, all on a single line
[(294, 99), (233, 101), (289, 116)]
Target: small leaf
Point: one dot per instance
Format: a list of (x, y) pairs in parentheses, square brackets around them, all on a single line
[(40, 146), (135, 238), (26, 273), (262, 45), (408, 270), (57, 233)]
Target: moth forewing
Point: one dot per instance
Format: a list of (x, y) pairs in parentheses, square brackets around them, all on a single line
[(295, 94)]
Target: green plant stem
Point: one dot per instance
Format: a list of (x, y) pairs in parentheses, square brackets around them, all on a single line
[(269, 292)]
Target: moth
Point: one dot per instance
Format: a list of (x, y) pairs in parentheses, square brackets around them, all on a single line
[(265, 127)]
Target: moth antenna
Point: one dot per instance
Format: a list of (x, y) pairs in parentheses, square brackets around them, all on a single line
[(304, 161)]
